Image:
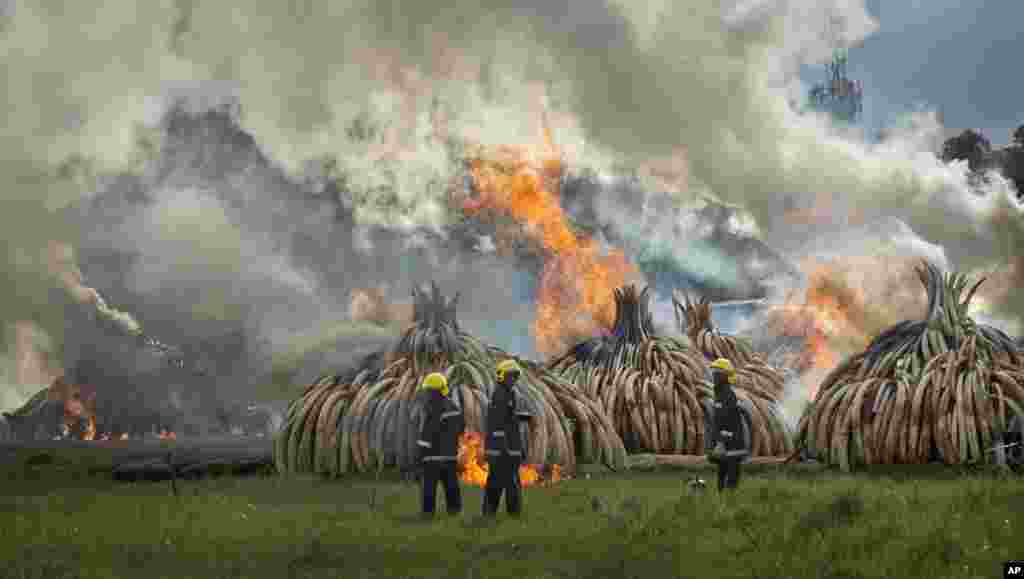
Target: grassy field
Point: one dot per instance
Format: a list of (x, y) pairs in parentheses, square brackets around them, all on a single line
[(58, 518)]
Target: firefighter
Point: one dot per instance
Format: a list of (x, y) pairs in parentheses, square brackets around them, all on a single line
[(504, 442), (443, 424), (728, 429)]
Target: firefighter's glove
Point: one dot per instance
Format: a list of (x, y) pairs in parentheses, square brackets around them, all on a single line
[(718, 452), (421, 452)]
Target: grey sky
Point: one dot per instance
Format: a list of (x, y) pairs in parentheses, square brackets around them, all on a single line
[(955, 56)]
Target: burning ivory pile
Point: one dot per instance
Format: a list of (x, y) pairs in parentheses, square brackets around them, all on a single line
[(368, 417), (633, 385), (68, 411), (944, 382), (654, 387), (942, 387)]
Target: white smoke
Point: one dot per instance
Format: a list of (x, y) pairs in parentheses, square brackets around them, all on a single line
[(623, 82), (26, 365), (12, 392)]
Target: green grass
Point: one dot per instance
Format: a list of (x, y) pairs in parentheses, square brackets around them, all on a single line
[(59, 520)]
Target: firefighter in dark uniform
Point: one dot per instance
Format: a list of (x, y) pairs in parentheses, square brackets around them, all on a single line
[(443, 424), (728, 431), (504, 442)]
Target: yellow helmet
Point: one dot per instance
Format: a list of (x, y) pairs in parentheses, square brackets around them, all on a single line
[(724, 365), (436, 381), (507, 367)]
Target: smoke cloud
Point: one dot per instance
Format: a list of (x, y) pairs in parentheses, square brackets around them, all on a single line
[(714, 83), (380, 96)]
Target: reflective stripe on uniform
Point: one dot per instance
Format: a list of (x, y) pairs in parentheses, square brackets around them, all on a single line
[(523, 414), (424, 443), (450, 414), (498, 452), (498, 433), (727, 433), (736, 453), (438, 458)]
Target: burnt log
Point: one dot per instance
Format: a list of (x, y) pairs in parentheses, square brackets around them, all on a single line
[(148, 471), (157, 470)]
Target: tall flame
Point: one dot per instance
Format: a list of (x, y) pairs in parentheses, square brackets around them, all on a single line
[(472, 468), (828, 315), (575, 295), (846, 303)]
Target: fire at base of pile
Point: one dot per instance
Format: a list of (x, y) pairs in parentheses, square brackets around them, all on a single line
[(654, 387), (68, 411), (944, 387), (369, 417), (474, 469)]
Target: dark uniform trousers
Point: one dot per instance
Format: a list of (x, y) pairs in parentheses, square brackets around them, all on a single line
[(505, 451), (729, 472), (503, 479), (446, 473), (731, 431), (439, 444)]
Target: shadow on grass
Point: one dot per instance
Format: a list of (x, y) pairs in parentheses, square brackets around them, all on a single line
[(838, 512), (419, 519), (48, 562)]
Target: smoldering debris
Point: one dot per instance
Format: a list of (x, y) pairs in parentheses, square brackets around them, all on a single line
[(38, 419)]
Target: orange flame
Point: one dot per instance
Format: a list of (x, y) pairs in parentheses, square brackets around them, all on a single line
[(827, 316), (80, 406), (90, 430), (528, 475), (847, 302), (575, 295), (473, 467), (91, 434)]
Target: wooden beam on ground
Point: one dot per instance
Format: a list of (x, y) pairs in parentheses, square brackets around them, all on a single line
[(695, 461)]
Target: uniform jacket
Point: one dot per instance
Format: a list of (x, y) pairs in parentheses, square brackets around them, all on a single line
[(727, 424), (505, 413), (443, 423)]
